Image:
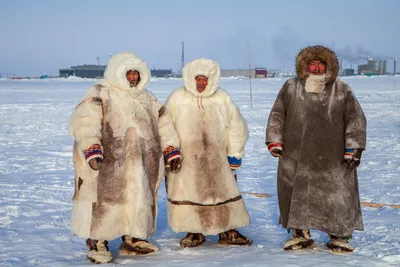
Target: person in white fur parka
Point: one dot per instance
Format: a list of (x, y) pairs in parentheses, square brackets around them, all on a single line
[(203, 196), (121, 132)]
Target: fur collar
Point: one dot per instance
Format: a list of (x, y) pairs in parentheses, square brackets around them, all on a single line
[(315, 83)]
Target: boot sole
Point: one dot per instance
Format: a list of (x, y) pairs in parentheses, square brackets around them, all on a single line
[(191, 245), (339, 250), (97, 262), (229, 244), (127, 250), (130, 253), (309, 244)]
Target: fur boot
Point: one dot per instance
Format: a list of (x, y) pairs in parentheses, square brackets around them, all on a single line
[(136, 246), (98, 251), (300, 240), (339, 244), (233, 238), (192, 240)]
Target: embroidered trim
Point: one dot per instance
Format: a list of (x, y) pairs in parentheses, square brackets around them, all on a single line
[(93, 150), (234, 162), (348, 153), (171, 153)]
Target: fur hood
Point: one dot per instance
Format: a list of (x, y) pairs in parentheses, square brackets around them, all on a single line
[(119, 64), (317, 52), (201, 66)]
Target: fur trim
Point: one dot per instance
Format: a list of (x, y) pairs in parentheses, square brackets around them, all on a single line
[(315, 83), (201, 66), (317, 52), (119, 64), (208, 220)]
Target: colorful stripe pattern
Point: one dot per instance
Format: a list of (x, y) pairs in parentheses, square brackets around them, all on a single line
[(348, 153), (272, 145), (234, 162), (171, 153), (94, 151)]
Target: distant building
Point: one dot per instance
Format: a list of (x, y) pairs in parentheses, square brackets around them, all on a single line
[(278, 73), (261, 72), (373, 67), (84, 71), (97, 71), (254, 73), (161, 72), (238, 73), (89, 71), (348, 72), (65, 73)]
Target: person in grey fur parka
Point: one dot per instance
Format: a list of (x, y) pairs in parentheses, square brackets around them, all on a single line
[(317, 128)]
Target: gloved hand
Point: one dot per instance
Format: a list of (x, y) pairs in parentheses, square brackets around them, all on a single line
[(95, 163), (275, 149), (355, 159), (278, 153), (175, 164)]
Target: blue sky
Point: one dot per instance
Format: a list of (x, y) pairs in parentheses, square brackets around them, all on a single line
[(39, 37)]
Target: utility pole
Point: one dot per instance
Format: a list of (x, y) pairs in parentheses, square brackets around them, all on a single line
[(98, 60), (248, 58), (182, 58)]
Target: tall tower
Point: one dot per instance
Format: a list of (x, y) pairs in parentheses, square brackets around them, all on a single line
[(394, 66), (183, 57)]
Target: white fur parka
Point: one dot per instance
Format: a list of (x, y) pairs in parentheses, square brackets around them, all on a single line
[(203, 196), (133, 129)]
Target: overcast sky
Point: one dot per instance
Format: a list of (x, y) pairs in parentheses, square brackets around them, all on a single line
[(39, 37)]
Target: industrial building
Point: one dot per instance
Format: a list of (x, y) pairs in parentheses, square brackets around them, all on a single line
[(347, 72), (253, 73), (161, 72), (373, 67), (97, 71), (237, 73), (84, 71)]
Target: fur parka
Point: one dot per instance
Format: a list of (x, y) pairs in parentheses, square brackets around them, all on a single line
[(203, 197), (316, 188), (133, 129)]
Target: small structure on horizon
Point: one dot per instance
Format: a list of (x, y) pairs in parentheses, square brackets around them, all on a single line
[(261, 72), (84, 71), (373, 67)]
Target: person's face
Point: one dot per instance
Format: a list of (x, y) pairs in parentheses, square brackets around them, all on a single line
[(133, 77), (316, 67), (201, 83)]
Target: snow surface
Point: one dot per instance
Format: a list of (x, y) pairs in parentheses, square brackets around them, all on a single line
[(36, 181)]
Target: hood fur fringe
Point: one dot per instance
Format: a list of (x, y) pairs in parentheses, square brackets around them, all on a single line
[(317, 52)]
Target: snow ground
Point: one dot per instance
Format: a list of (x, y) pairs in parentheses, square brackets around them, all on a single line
[(36, 181)]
